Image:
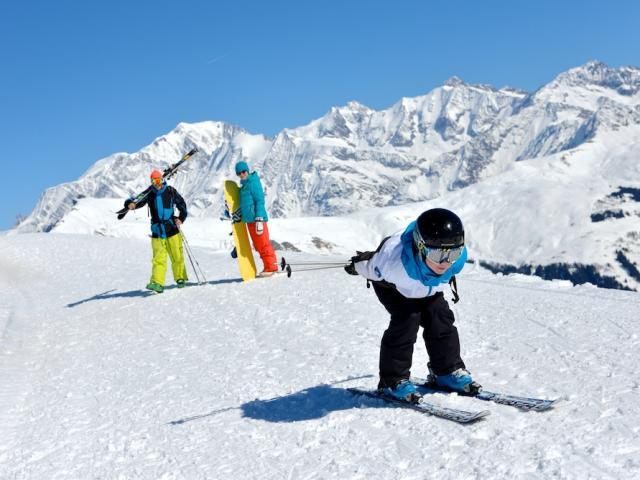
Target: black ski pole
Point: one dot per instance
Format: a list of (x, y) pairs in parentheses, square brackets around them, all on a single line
[(198, 271)]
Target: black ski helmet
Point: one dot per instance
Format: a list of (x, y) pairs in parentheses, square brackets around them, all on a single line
[(438, 228)]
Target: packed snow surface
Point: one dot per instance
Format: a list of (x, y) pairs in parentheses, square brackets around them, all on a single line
[(229, 380)]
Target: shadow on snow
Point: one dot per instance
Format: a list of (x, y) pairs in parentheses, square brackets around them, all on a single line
[(145, 293), (107, 295), (308, 404)]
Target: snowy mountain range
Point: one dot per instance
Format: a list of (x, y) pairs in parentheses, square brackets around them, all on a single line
[(546, 182)]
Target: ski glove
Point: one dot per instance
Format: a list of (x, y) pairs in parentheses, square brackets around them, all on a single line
[(259, 226), (350, 268), (235, 217)]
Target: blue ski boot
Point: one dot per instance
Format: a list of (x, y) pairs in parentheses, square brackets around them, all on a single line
[(405, 391), (457, 381)]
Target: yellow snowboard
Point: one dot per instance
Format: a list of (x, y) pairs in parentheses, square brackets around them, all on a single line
[(240, 234)]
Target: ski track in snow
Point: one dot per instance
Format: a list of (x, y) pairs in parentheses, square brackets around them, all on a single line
[(99, 379)]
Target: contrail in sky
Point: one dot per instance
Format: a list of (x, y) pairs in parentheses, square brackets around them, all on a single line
[(214, 60)]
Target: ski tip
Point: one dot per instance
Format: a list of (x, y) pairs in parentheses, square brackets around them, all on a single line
[(546, 405), (478, 416), (190, 153)]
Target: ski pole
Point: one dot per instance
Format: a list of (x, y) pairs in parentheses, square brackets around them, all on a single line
[(284, 263), (289, 271), (198, 271), (315, 263), (186, 249), (309, 269)]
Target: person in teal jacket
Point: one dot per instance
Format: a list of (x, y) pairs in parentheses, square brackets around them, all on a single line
[(254, 214)]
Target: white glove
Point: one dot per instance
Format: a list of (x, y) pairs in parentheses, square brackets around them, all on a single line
[(259, 226)]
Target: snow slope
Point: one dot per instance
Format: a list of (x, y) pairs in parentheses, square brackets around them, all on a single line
[(231, 380)]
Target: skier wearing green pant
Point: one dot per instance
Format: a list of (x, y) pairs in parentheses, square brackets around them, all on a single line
[(165, 231)]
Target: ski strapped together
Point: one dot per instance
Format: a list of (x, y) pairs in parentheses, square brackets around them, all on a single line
[(166, 174)]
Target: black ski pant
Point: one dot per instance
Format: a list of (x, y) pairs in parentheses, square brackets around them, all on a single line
[(407, 315)]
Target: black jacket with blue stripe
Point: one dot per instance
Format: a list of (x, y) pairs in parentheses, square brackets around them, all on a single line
[(162, 204)]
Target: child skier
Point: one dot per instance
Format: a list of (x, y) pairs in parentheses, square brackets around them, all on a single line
[(409, 272), (165, 227), (255, 216)]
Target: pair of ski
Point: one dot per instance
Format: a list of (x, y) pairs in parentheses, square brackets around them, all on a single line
[(454, 414), (169, 172)]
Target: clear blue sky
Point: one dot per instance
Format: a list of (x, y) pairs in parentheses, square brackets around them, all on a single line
[(80, 80)]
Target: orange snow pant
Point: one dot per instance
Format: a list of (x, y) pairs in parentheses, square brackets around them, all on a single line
[(263, 246)]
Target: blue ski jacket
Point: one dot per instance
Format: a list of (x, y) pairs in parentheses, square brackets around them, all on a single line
[(252, 199)]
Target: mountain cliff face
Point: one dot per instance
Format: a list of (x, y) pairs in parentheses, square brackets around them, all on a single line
[(121, 175), (355, 157), (421, 148)]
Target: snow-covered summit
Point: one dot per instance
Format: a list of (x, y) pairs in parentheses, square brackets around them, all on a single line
[(122, 174), (624, 80)]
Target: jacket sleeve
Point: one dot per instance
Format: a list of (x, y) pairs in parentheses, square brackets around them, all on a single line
[(386, 264), (257, 193), (139, 203), (366, 268), (181, 204), (371, 265)]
